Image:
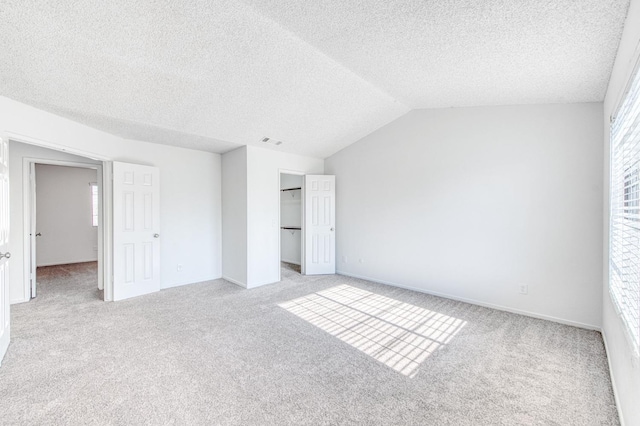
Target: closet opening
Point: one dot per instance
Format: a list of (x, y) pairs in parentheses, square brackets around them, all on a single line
[(291, 223)]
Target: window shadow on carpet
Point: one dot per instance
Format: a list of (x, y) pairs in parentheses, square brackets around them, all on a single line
[(396, 333)]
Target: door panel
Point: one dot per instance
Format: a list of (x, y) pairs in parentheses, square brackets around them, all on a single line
[(136, 229), (33, 233), (5, 329), (320, 217)]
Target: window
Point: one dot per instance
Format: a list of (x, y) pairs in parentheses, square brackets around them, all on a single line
[(94, 203), (624, 221)]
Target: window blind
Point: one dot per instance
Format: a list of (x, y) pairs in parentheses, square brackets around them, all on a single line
[(624, 222), (94, 204)]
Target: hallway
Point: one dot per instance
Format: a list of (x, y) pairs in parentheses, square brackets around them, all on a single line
[(72, 284)]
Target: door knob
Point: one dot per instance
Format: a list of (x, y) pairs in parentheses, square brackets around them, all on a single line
[(6, 255), (331, 229), (156, 235), (39, 234)]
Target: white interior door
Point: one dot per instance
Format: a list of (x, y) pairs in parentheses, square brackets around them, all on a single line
[(4, 248), (33, 269), (136, 230), (319, 224)]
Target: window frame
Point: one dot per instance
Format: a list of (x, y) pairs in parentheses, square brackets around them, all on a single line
[(624, 209), (95, 204)]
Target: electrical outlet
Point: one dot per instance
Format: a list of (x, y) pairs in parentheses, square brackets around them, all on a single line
[(524, 289), (179, 267)]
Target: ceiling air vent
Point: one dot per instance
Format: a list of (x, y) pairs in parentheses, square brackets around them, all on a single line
[(271, 141)]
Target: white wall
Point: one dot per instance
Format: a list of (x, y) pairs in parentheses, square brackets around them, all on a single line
[(625, 367), (251, 187), (290, 181), (64, 215), (263, 169), (470, 203), (263, 176), (291, 215), (190, 195), (234, 216)]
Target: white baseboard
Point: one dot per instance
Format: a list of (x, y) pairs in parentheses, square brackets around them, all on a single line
[(260, 284), (478, 302), (293, 262), (231, 280), (66, 262), (183, 283), (613, 379), (16, 301)]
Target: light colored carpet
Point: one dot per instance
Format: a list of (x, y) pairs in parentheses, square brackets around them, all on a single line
[(310, 350), (290, 267)]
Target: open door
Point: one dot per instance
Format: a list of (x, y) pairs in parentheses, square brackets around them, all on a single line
[(136, 230), (32, 231), (319, 224), (4, 247)]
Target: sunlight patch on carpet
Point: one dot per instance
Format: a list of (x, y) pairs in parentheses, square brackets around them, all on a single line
[(398, 334)]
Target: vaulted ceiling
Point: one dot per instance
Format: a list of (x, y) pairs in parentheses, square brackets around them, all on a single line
[(317, 75)]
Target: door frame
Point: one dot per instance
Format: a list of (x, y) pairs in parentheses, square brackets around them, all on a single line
[(29, 215), (105, 217), (302, 261)]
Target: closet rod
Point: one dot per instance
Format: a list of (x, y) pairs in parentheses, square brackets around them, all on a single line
[(290, 189), (291, 228)]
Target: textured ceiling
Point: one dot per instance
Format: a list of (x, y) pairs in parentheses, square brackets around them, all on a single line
[(317, 75), (433, 54)]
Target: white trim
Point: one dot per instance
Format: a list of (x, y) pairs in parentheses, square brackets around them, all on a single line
[(613, 292), (634, 63), (613, 379), (17, 137), (73, 262), (290, 261), (28, 195), (105, 238), (236, 282), (477, 302), (78, 164), (104, 224), (291, 172)]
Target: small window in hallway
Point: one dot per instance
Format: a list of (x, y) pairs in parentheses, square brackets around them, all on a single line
[(94, 203)]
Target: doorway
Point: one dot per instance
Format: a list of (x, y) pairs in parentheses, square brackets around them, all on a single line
[(53, 245), (291, 223), (307, 224), (65, 217)]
